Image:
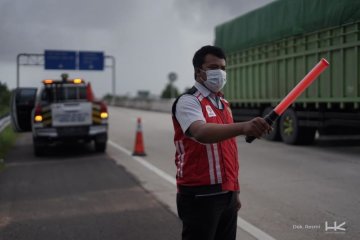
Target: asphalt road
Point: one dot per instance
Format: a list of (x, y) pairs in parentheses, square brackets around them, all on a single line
[(75, 193), (289, 192)]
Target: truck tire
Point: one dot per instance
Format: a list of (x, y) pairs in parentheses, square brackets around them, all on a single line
[(39, 148), (100, 146), (292, 133), (274, 135)]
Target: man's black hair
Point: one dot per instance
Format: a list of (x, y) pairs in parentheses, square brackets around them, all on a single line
[(200, 54)]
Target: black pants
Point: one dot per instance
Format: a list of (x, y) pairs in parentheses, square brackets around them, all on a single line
[(208, 217)]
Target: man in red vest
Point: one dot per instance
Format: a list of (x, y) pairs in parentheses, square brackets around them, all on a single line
[(206, 152)]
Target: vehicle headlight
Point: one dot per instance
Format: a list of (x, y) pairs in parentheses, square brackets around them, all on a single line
[(38, 118), (104, 115)]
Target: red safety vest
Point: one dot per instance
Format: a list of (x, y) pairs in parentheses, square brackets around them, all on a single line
[(213, 167)]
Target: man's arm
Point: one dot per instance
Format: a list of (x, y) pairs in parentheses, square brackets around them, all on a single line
[(212, 132)]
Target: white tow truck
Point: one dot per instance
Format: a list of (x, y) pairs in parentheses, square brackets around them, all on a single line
[(64, 110)]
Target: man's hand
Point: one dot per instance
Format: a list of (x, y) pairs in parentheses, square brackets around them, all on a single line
[(256, 127), (238, 203)]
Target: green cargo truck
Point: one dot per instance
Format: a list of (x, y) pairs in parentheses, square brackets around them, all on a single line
[(271, 49)]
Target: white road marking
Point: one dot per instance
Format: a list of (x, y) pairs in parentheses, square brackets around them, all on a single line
[(146, 164), (241, 223)]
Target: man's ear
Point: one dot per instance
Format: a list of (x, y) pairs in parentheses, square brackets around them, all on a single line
[(198, 74), (195, 73)]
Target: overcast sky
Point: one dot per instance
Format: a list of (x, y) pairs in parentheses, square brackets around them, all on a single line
[(148, 38)]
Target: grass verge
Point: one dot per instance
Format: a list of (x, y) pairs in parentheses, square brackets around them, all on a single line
[(7, 139), (4, 109)]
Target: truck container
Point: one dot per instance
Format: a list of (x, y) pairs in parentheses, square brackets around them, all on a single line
[(271, 49)]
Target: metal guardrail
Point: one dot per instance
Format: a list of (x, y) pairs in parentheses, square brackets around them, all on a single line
[(159, 105), (4, 122)]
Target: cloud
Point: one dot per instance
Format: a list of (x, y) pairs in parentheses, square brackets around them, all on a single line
[(148, 38), (35, 25)]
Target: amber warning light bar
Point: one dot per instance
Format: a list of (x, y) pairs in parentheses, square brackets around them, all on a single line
[(294, 94)]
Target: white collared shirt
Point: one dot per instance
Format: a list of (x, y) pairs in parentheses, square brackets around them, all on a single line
[(188, 108)]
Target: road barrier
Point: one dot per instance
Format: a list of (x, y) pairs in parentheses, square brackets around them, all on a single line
[(159, 105), (4, 122)]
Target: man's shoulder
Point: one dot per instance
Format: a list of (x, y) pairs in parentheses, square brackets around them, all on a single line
[(186, 99)]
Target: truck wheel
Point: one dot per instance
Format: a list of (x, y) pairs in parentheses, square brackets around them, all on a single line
[(274, 135), (292, 133), (38, 148), (100, 146)]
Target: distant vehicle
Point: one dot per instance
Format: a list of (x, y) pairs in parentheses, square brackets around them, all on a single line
[(64, 110), (269, 50), (22, 103)]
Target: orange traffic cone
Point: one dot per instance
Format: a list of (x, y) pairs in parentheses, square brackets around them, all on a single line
[(139, 143)]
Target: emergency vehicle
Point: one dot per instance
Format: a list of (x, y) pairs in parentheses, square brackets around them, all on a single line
[(62, 110)]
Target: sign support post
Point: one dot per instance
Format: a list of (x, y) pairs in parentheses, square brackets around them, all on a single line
[(32, 59), (38, 59), (113, 71)]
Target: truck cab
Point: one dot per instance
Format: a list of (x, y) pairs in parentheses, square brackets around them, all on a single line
[(65, 110)]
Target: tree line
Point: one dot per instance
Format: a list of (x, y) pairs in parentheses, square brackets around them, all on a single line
[(4, 99)]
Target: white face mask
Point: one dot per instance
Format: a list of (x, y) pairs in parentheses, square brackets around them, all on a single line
[(215, 80)]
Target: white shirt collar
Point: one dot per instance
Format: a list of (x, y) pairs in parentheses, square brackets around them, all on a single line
[(203, 90), (207, 93)]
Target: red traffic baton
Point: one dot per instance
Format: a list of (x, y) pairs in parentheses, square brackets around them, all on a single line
[(293, 94)]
